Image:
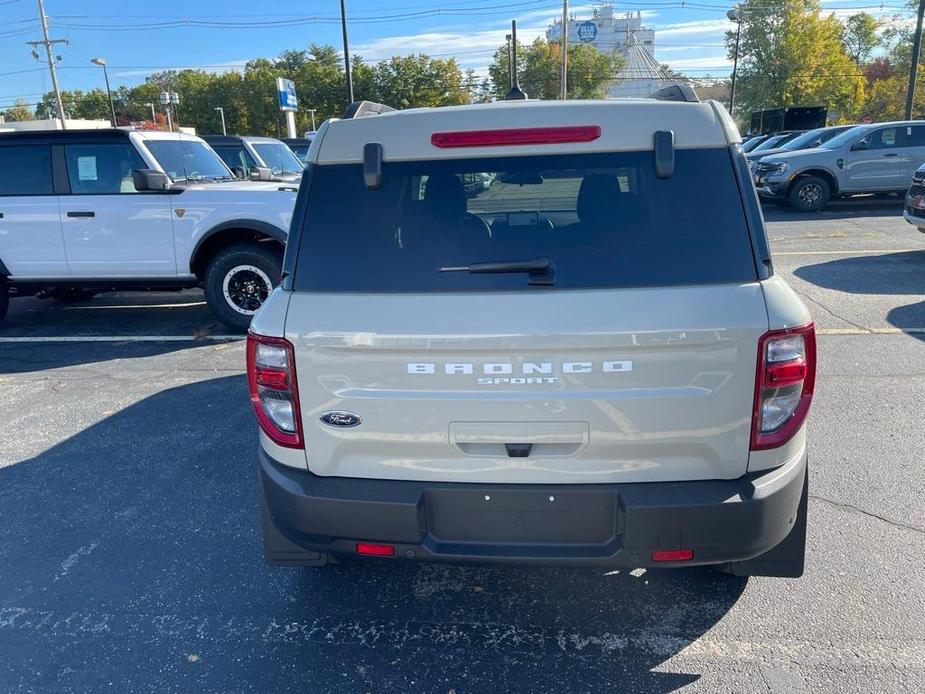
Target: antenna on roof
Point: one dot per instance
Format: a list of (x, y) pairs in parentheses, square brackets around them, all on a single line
[(516, 93)]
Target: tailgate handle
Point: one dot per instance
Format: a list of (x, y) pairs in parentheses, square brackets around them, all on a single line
[(519, 439), (518, 450)]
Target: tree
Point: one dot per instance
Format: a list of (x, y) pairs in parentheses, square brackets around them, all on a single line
[(18, 111), (792, 55), (860, 36), (539, 70), (91, 105)]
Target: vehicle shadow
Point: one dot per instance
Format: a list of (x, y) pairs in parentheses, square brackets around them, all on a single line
[(130, 558), (851, 208), (898, 273)]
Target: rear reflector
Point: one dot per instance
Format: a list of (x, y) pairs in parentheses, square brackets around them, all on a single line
[(374, 550), (516, 136), (672, 555)]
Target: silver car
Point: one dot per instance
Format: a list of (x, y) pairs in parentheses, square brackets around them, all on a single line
[(865, 159)]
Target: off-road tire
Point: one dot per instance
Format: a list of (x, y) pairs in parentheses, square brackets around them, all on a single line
[(239, 279), (809, 194)]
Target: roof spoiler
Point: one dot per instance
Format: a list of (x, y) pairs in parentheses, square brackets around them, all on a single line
[(359, 109), (676, 92)]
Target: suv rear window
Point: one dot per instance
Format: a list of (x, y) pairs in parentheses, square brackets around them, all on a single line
[(25, 170), (604, 220)]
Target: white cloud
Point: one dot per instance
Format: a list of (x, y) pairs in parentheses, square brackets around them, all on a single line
[(228, 66)]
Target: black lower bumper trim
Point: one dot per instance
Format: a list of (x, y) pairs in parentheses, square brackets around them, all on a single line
[(607, 525)]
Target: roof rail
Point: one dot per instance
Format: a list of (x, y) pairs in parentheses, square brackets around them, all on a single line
[(676, 92), (359, 109)]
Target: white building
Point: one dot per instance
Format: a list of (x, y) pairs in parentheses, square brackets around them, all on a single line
[(624, 34), (54, 124)]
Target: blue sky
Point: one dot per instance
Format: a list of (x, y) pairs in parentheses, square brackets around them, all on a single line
[(138, 38)]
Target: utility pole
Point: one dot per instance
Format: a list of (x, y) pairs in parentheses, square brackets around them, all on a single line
[(221, 111), (48, 43), (343, 26), (914, 68), (564, 94)]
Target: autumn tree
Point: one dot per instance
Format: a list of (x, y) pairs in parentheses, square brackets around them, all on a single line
[(18, 111), (792, 55), (860, 36), (539, 70)]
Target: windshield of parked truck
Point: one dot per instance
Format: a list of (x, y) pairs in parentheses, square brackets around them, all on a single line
[(603, 220), (188, 160), (278, 157), (811, 138), (846, 137)]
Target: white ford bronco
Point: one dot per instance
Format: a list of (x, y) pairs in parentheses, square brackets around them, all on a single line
[(533, 332), (94, 210)]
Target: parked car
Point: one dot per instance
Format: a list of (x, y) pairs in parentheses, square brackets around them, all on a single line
[(263, 158), (774, 141), (753, 142), (865, 159), (85, 211), (560, 369), (807, 140), (914, 211), (299, 147)]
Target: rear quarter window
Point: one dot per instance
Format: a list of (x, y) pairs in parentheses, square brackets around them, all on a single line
[(25, 170), (604, 220)]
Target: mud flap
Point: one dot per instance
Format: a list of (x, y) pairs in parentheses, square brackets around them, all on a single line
[(787, 559), (278, 550)]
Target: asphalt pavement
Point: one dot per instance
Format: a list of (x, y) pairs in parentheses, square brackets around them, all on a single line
[(130, 555)]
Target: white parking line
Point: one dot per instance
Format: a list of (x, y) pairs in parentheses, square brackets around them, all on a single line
[(856, 252), (130, 306), (123, 338)]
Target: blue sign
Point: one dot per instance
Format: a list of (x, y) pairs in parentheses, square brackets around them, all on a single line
[(587, 32), (285, 89)]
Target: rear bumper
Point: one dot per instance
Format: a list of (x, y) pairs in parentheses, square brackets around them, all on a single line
[(605, 525)]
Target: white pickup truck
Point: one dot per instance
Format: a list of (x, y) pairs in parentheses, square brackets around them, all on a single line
[(85, 211)]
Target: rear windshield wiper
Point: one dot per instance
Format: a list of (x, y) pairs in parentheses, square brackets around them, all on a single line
[(541, 271)]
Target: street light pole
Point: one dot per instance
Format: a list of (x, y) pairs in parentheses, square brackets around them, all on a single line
[(153, 113), (222, 112), (343, 26), (914, 68), (312, 111), (112, 109), (736, 15)]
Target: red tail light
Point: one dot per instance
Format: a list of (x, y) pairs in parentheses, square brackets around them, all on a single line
[(516, 136), (375, 550), (273, 388), (672, 555), (784, 385)]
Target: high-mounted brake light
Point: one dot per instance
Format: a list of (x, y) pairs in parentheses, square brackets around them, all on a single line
[(784, 382), (516, 136), (273, 389)]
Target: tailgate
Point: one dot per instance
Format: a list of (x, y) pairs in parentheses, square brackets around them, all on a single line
[(588, 386)]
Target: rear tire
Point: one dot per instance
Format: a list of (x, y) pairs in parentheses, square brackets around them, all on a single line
[(809, 194), (72, 296), (239, 279)]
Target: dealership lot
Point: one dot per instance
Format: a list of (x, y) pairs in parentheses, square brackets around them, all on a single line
[(130, 549)]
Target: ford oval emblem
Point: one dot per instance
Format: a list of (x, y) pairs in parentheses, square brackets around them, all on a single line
[(339, 418)]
